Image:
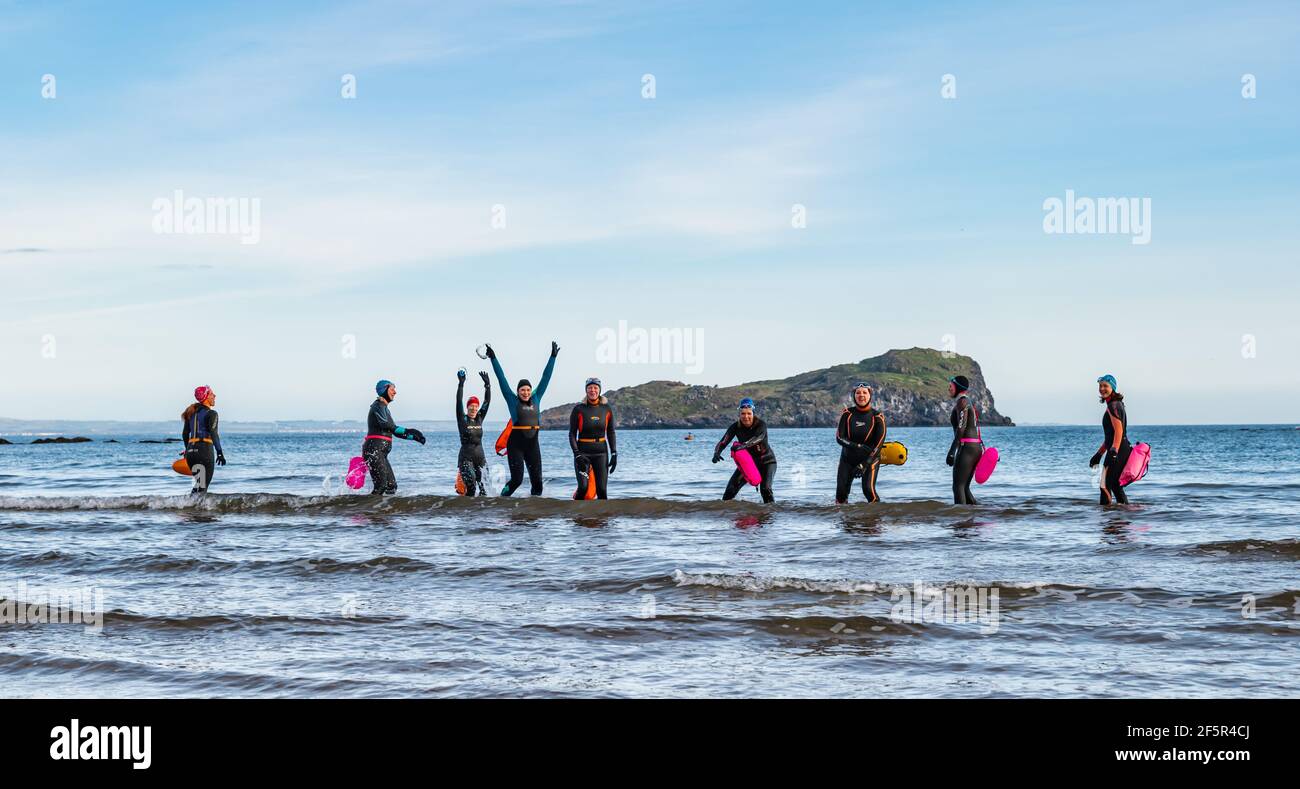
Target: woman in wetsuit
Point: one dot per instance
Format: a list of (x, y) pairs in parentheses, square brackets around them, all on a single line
[(380, 429), (751, 432), (860, 433), (202, 442), (966, 448), (525, 404), (592, 439), (1114, 447), (469, 421)]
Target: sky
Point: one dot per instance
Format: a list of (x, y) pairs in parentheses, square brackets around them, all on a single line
[(790, 185)]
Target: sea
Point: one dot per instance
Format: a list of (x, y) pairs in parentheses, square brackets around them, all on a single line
[(283, 582)]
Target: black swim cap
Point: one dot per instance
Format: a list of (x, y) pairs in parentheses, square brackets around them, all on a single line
[(962, 382), (522, 383)]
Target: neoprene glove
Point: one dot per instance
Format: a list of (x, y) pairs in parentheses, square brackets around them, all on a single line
[(491, 353), (613, 461), (221, 459), (950, 459), (1096, 459), (717, 456), (460, 374), (415, 435), (486, 381), (555, 349)]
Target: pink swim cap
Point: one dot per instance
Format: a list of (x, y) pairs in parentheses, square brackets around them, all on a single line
[(202, 393)]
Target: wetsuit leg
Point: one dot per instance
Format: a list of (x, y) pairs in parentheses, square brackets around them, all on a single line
[(515, 459), (963, 471), (469, 476), (600, 468), (202, 460), (844, 479), (869, 481), (533, 460), (375, 451), (733, 485), (768, 473), (1114, 493)]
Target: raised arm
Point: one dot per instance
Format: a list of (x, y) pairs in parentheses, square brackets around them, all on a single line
[(540, 391), (487, 396), (511, 400), (460, 403)]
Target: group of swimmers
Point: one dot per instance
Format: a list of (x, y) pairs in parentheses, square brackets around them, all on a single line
[(860, 434)]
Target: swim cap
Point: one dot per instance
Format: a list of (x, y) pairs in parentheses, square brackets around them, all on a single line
[(472, 401), (747, 402), (862, 385), (963, 383), (1110, 379), (522, 383), (381, 388), (595, 381), (202, 393)]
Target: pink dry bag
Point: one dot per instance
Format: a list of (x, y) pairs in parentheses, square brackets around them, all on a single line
[(356, 478), (1136, 467), (984, 468), (745, 462)]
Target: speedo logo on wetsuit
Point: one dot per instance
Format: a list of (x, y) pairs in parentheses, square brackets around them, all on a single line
[(95, 743)]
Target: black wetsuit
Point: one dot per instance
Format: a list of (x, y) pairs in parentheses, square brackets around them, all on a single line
[(202, 446), (965, 451), (522, 447), (754, 438), (1115, 459), (592, 439), (470, 460), (380, 429), (860, 433)]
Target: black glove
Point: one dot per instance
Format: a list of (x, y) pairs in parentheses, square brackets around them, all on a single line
[(555, 349), (613, 461), (950, 459), (491, 353), (415, 435), (717, 456), (460, 374), (486, 381), (1095, 460), (221, 459)]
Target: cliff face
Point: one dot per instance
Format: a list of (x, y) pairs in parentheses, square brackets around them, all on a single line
[(910, 386)]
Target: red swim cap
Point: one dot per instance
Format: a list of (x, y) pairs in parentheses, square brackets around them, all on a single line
[(202, 393), (471, 401)]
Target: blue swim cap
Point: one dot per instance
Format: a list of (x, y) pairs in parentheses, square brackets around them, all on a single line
[(1110, 379), (747, 402), (381, 388)]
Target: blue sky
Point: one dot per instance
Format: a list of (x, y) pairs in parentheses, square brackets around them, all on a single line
[(924, 214)]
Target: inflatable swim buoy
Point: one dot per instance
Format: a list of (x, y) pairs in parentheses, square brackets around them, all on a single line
[(1136, 467), (182, 467), (356, 478), (460, 484), (745, 462), (504, 437), (586, 480), (984, 468), (893, 453)]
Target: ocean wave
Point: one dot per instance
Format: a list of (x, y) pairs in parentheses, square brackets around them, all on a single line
[(164, 563), (1287, 549), (524, 506)]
